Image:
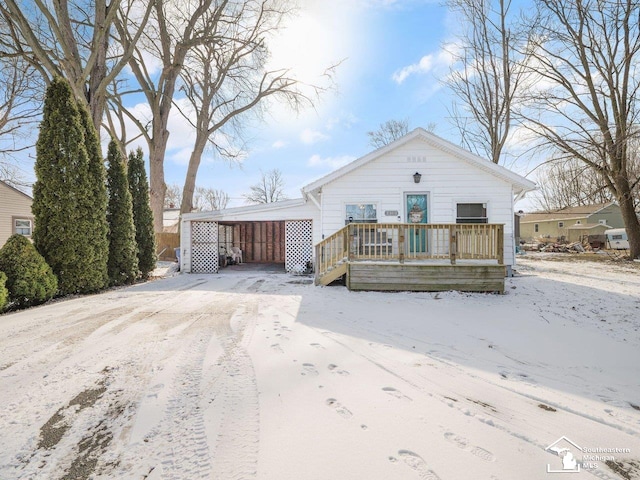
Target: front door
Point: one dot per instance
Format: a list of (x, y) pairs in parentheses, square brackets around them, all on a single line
[(416, 213)]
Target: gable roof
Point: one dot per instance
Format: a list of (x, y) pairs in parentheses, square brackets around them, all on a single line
[(567, 213), (16, 190), (520, 183)]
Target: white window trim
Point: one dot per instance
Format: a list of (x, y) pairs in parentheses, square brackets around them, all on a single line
[(376, 204), (22, 219)]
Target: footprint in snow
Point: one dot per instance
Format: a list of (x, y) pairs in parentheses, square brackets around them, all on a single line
[(463, 444), (417, 463), (396, 393), (339, 408), (317, 345), (309, 369), (334, 369), (277, 347)]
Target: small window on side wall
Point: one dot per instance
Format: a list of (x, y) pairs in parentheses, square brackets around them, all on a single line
[(361, 213), (471, 213), (22, 226), (536, 228), (560, 224)]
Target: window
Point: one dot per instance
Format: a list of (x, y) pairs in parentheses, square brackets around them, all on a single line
[(560, 224), (536, 228), (616, 237), (471, 213), (602, 222), (22, 226), (361, 213), (578, 222)]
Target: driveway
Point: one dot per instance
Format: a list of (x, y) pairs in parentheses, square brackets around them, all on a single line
[(260, 375)]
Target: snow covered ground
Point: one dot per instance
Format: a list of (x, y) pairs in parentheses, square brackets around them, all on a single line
[(256, 375)]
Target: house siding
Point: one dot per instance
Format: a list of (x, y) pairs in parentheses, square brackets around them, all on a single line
[(611, 214), (550, 229), (445, 178), (13, 204)]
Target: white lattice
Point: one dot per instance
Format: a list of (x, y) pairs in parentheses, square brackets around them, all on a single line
[(298, 245), (204, 247)]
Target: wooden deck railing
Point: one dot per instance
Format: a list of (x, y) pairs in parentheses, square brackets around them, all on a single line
[(405, 241)]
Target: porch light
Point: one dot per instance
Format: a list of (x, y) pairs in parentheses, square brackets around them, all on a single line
[(417, 177)]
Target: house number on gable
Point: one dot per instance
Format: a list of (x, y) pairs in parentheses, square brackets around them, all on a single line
[(417, 159)]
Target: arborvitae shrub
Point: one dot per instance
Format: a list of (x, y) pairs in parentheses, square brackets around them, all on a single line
[(30, 280), (69, 197), (142, 216), (123, 252), (4, 293)]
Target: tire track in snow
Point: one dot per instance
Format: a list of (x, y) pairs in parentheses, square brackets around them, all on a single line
[(184, 420), (237, 443)]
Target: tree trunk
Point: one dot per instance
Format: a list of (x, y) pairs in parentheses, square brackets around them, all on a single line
[(157, 186), (192, 171), (631, 222)]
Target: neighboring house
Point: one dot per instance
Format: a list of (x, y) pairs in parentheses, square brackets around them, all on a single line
[(15, 213), (571, 223), (170, 220), (403, 203)]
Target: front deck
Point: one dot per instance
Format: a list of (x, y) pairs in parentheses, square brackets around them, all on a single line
[(414, 257)]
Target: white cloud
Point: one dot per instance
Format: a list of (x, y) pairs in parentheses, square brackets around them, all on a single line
[(317, 161), (309, 136), (433, 62), (279, 144), (423, 66)]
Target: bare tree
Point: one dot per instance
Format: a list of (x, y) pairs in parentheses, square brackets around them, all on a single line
[(388, 132), (20, 103), (569, 183), (584, 105), (175, 28), (210, 199), (486, 76), (172, 196), (71, 39), (270, 188), (227, 81)]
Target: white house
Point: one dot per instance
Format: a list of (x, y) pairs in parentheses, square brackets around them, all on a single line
[(419, 178)]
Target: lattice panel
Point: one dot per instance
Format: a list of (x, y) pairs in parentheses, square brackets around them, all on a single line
[(298, 245), (204, 247)]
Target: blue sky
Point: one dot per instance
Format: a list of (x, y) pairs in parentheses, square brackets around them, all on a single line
[(393, 59), (392, 63)]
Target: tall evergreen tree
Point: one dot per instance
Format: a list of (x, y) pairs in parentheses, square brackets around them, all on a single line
[(68, 219), (97, 175), (123, 252), (142, 216)]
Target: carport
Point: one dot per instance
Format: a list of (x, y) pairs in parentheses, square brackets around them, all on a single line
[(279, 233)]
